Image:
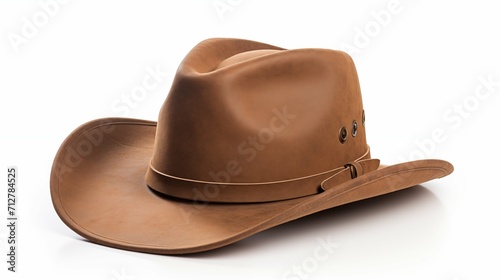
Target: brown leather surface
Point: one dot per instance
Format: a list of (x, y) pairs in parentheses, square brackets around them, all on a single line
[(222, 97), (255, 192), (267, 116), (105, 199)]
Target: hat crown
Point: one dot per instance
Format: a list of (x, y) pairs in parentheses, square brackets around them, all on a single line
[(246, 112), (251, 136)]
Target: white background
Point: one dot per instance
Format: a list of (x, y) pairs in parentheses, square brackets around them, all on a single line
[(420, 71)]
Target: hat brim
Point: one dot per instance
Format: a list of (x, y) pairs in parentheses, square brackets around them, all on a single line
[(98, 190)]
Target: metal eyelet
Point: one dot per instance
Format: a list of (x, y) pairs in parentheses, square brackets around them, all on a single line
[(354, 130), (363, 118), (342, 135)]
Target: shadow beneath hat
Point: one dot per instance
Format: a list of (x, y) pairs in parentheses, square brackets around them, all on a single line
[(379, 233), (399, 226)]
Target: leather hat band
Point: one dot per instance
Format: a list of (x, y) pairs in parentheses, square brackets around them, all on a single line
[(206, 191)]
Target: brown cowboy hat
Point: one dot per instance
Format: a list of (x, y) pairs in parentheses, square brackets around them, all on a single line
[(250, 136)]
